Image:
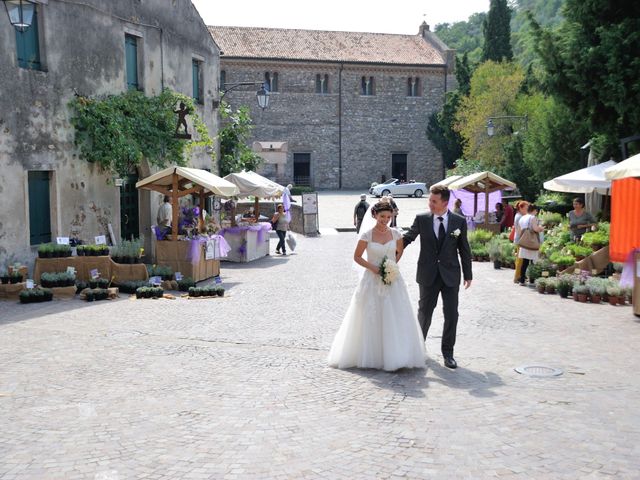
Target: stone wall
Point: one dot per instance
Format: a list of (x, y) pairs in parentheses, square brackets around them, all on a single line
[(82, 50), (343, 131)]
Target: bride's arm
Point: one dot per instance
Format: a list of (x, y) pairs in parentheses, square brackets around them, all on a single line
[(357, 257), (399, 249)]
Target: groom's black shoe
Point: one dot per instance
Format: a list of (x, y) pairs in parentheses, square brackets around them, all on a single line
[(449, 362)]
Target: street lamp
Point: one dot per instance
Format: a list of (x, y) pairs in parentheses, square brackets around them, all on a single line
[(491, 130), (20, 13), (262, 95)]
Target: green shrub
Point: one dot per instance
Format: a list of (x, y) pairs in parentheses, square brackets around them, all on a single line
[(578, 250), (595, 239), (562, 261), (550, 219), (479, 237), (299, 190)]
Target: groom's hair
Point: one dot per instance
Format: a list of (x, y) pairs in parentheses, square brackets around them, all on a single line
[(441, 190)]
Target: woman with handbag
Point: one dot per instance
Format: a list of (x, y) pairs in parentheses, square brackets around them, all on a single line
[(521, 211), (280, 224), (529, 239)]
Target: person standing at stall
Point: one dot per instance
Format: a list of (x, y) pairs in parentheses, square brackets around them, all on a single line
[(165, 214)]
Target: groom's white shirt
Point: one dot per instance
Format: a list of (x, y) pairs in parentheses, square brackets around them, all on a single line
[(436, 222)]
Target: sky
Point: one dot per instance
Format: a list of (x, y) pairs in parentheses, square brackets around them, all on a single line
[(403, 17)]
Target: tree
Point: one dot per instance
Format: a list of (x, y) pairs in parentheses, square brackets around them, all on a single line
[(235, 154), (497, 32), (591, 64), (440, 129), (494, 89)]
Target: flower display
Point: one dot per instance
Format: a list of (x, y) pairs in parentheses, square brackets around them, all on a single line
[(388, 271)]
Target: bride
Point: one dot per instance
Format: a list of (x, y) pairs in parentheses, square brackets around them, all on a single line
[(379, 329)]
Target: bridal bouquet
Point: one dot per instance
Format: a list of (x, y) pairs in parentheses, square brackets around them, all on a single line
[(388, 271)]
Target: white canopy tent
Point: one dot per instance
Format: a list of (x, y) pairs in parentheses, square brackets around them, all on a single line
[(482, 182), (250, 184), (177, 182), (627, 168), (586, 180), (445, 182), (163, 182)]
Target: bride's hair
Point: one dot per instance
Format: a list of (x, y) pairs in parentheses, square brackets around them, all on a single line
[(381, 206)]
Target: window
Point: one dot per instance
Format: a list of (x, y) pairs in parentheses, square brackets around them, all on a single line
[(28, 45), (39, 208), (413, 87), (196, 71), (366, 86), (271, 81), (131, 55), (322, 83)]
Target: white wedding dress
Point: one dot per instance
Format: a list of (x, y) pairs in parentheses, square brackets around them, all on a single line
[(379, 329)]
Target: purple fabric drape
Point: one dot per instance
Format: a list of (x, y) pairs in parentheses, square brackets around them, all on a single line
[(221, 247), (261, 228), (286, 203), (626, 277)]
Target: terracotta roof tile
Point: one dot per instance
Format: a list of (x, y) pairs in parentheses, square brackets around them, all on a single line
[(319, 45)]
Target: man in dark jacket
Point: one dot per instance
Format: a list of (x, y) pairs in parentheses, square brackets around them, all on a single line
[(443, 237), (359, 211)]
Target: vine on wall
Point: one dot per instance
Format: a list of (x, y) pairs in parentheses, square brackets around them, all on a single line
[(118, 131)]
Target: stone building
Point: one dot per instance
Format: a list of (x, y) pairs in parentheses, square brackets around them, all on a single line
[(94, 48), (346, 108)]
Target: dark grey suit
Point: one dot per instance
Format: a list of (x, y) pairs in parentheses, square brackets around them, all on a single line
[(439, 272)]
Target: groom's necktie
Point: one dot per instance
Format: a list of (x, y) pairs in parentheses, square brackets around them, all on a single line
[(441, 233)]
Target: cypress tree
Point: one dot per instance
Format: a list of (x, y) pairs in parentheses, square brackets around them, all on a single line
[(497, 33)]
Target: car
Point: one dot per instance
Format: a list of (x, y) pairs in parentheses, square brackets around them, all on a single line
[(396, 187)]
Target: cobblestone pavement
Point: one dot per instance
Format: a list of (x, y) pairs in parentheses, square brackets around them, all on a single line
[(335, 208), (238, 387)]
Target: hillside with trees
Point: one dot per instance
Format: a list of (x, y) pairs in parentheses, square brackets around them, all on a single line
[(551, 85)]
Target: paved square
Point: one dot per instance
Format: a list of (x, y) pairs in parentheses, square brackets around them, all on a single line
[(238, 387)]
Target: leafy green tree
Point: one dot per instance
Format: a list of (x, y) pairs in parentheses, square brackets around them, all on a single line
[(235, 154), (592, 64), (497, 32), (118, 131), (494, 90), (464, 37)]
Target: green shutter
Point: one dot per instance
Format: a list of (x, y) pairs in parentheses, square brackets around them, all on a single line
[(131, 55), (28, 46), (39, 208), (195, 71)]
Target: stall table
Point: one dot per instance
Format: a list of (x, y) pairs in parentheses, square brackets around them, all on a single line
[(179, 255), (247, 242), (120, 272)]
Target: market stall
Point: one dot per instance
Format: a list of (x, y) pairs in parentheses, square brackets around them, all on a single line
[(624, 241), (483, 184), (248, 238), (196, 254)]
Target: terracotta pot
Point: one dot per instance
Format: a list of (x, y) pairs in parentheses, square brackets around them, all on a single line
[(613, 300), (596, 298), (581, 297)]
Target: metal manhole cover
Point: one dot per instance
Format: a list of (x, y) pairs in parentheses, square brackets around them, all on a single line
[(538, 371)]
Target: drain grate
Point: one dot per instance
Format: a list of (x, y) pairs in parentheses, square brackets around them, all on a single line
[(538, 371)]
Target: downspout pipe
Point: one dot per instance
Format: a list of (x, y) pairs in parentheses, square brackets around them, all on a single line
[(340, 126)]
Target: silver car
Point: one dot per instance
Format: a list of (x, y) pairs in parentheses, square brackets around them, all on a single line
[(395, 187)]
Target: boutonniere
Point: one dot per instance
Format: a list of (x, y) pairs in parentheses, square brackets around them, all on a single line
[(456, 233)]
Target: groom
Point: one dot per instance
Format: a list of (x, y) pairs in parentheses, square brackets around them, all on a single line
[(443, 235)]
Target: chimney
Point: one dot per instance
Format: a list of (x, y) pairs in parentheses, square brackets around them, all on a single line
[(424, 28)]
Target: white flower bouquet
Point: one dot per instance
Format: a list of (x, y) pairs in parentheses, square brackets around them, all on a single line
[(388, 271)]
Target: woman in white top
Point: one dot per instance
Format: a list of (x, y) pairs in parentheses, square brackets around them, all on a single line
[(521, 210), (528, 221)]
